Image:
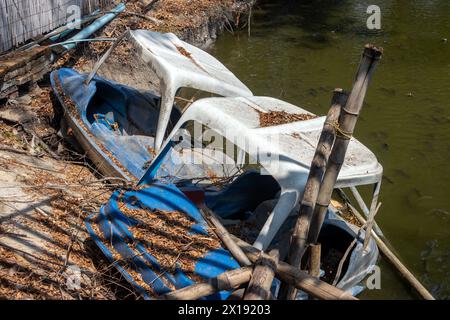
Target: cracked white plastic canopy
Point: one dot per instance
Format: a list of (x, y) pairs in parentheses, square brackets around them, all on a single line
[(291, 146), (179, 64)]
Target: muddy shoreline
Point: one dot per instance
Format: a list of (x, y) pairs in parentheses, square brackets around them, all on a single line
[(224, 20)]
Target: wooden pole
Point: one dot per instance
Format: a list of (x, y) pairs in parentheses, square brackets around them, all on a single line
[(347, 123), (364, 208), (371, 217), (346, 126), (262, 277), (105, 56), (225, 281), (318, 165), (392, 258), (298, 278), (225, 236), (314, 259)]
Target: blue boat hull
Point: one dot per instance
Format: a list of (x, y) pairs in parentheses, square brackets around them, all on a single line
[(112, 231), (115, 124)]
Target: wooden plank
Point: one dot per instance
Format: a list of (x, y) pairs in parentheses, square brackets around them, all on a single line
[(33, 75), (27, 68), (20, 59), (36, 73), (10, 92)]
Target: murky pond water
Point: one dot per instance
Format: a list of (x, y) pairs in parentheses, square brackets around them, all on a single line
[(299, 51)]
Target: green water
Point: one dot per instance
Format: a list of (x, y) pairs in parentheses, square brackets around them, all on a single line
[(300, 50)]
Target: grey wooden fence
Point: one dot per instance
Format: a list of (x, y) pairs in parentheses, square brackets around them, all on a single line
[(21, 20)]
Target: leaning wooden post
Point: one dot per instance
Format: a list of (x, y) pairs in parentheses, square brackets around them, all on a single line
[(314, 259), (224, 236), (105, 56), (347, 123), (316, 173), (372, 213), (262, 277), (392, 258), (298, 278), (225, 281)]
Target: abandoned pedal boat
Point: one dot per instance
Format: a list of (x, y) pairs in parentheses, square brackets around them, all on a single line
[(250, 174), (121, 128)]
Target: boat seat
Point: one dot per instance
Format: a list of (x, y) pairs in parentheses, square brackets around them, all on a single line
[(107, 99), (244, 194)]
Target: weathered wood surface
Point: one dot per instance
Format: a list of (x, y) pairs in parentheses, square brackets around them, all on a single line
[(21, 68), (21, 20), (225, 236), (225, 281), (262, 277), (17, 60), (298, 278), (318, 166), (314, 259), (346, 125)]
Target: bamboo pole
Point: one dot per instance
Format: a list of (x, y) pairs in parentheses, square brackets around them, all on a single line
[(318, 166), (392, 258), (347, 122), (314, 259), (309, 225), (362, 205), (371, 217), (298, 278), (262, 277), (105, 56), (225, 236), (225, 281)]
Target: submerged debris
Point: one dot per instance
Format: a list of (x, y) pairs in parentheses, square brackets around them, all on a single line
[(275, 118)]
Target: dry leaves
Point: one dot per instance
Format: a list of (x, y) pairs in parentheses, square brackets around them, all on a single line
[(275, 118)]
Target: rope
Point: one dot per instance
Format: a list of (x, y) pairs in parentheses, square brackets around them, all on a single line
[(347, 135)]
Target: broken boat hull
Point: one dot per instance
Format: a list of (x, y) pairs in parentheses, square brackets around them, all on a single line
[(113, 123), (115, 231), (147, 265)]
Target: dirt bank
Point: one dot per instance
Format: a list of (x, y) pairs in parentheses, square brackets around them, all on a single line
[(48, 188), (196, 22)]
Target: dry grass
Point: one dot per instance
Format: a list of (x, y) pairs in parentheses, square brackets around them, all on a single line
[(275, 118), (63, 234)]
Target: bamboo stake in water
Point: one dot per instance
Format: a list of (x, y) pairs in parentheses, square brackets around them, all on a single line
[(392, 258), (316, 173), (314, 259), (347, 123), (344, 131)]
